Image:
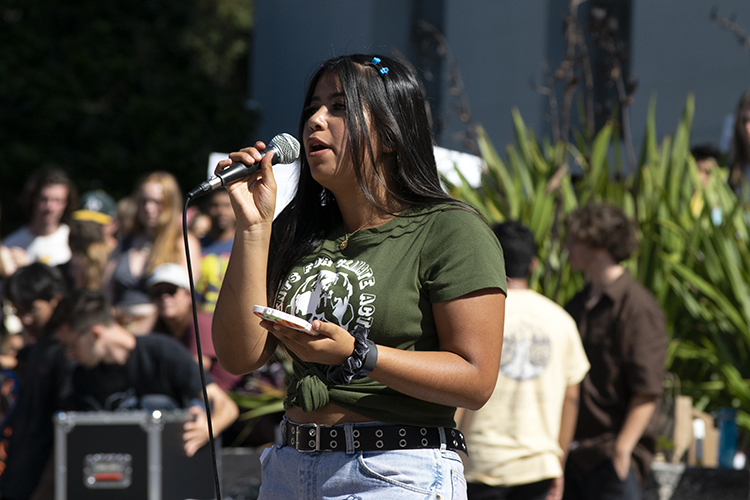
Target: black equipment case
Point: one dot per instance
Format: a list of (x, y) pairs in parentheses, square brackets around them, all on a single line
[(128, 455)]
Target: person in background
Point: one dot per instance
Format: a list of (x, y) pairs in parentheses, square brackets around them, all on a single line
[(42, 372), (216, 247), (519, 440), (739, 154), (91, 239), (156, 238), (34, 292), (98, 206), (198, 223), (49, 197), (119, 370), (90, 254), (11, 339), (126, 213), (624, 334), (170, 290), (707, 158)]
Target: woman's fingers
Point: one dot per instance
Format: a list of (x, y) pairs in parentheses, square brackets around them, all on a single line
[(254, 196), (248, 156), (331, 346)]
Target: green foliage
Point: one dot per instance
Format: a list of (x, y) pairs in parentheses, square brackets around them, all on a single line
[(110, 90), (697, 266), (260, 396)]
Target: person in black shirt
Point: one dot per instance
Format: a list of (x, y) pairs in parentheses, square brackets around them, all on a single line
[(42, 372), (118, 370)]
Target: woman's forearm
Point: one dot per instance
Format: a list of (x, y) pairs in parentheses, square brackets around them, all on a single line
[(464, 371), (435, 376)]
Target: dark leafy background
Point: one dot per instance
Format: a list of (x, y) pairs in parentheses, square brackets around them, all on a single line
[(109, 90)]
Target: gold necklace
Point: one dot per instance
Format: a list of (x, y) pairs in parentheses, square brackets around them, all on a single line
[(345, 243)]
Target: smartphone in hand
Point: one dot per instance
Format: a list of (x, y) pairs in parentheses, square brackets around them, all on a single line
[(284, 319)]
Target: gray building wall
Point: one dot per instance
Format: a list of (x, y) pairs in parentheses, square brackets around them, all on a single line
[(293, 37), (678, 49), (499, 46)]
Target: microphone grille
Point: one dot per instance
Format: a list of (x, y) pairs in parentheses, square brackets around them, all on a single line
[(287, 148)]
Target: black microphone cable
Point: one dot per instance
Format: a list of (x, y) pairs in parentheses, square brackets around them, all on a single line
[(217, 483), (286, 149)]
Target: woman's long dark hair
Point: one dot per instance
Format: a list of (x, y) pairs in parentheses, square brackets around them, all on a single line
[(395, 105)]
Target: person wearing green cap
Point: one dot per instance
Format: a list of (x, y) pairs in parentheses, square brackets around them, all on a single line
[(97, 206)]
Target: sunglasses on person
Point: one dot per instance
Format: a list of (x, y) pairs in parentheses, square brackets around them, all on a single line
[(157, 291)]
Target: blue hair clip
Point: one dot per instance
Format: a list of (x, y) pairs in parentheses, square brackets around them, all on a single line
[(375, 61)]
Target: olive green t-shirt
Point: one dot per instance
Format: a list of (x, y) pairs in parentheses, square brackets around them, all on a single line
[(386, 280)]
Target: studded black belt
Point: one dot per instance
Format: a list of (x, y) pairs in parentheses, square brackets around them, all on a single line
[(357, 437)]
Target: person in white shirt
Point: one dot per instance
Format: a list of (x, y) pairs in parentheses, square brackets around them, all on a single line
[(519, 438), (50, 196)]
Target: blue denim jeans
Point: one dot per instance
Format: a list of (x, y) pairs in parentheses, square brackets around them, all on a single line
[(394, 474)]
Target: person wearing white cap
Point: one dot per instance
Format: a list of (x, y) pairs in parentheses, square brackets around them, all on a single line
[(169, 288)]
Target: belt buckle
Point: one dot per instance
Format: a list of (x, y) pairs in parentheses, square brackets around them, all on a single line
[(309, 443)]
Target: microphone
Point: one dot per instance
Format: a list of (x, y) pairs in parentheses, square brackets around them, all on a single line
[(285, 147)]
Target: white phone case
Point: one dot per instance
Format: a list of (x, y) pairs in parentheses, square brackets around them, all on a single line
[(282, 318)]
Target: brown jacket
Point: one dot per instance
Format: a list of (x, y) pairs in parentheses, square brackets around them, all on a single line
[(625, 340)]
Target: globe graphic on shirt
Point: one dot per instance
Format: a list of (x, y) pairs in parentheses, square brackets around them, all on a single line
[(526, 352), (325, 296)]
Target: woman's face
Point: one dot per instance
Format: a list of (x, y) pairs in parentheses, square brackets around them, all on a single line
[(325, 135), (50, 204), (150, 204), (36, 315), (173, 302), (580, 254)]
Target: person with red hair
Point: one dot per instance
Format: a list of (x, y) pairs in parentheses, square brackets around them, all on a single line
[(156, 238)]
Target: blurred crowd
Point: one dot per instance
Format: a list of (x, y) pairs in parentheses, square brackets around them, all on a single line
[(85, 253)]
